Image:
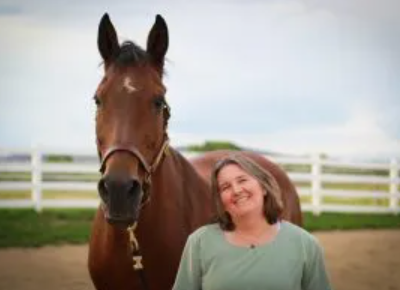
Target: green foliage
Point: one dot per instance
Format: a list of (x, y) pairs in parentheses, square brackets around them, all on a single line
[(355, 171), (26, 228), (213, 145), (298, 168), (59, 158), (15, 176)]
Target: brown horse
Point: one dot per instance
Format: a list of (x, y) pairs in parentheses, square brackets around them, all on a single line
[(141, 180)]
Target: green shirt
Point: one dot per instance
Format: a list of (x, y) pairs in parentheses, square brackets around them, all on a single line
[(292, 261)]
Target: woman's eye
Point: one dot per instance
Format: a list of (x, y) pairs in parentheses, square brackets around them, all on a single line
[(242, 180), (224, 188)]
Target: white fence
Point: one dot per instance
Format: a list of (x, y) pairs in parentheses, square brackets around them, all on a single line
[(324, 185)]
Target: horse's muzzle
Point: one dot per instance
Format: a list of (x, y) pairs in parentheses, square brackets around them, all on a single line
[(121, 198)]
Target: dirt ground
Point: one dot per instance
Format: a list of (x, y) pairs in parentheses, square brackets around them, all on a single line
[(355, 260)]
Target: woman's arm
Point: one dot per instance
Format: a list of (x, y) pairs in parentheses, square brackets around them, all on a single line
[(315, 276)]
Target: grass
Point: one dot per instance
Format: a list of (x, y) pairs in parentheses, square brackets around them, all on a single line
[(49, 194), (336, 221), (48, 176), (362, 201), (341, 170), (26, 228), (348, 186)]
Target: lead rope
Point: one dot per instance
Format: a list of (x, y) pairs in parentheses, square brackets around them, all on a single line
[(133, 242), (136, 255)]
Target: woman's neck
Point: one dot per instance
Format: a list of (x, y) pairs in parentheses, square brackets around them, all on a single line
[(251, 225), (252, 232)]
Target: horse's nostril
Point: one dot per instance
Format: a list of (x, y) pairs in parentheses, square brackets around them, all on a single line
[(109, 183), (102, 188), (134, 187)]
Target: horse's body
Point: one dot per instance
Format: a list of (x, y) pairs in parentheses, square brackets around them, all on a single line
[(165, 194)]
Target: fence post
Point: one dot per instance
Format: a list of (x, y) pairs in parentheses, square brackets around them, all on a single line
[(36, 162), (316, 183), (394, 183)]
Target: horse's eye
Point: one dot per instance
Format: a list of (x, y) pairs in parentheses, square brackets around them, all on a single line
[(159, 103), (96, 100)]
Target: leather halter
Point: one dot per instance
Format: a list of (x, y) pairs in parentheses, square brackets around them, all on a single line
[(149, 169)]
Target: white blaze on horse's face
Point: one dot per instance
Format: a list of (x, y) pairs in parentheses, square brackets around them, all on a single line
[(128, 85)]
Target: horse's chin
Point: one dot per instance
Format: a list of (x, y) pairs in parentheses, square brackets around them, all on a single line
[(118, 220), (122, 223)]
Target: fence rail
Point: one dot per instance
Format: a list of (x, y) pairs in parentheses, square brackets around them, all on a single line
[(324, 185)]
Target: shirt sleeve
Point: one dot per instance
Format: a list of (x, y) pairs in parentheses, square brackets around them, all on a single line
[(189, 271), (315, 276)]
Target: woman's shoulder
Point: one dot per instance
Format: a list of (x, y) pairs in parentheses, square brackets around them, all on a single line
[(296, 232), (309, 243)]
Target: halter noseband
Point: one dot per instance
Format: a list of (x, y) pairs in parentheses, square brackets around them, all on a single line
[(149, 169)]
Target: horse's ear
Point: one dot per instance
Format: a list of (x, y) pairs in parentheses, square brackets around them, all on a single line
[(157, 42), (107, 40)]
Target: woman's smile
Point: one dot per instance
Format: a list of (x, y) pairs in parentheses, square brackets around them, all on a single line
[(240, 192)]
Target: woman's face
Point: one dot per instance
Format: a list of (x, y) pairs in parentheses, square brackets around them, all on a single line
[(241, 193)]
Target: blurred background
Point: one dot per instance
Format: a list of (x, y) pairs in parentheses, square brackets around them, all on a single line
[(288, 76), (311, 84)]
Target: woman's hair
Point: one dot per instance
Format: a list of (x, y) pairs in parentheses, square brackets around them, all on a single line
[(273, 205)]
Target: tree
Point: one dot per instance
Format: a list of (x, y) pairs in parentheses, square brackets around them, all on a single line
[(214, 145)]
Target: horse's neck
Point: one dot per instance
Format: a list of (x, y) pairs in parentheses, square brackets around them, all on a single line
[(177, 184)]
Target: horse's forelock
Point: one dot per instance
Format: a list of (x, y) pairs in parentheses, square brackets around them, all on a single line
[(131, 54)]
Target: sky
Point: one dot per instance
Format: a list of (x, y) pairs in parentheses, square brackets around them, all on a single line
[(288, 76)]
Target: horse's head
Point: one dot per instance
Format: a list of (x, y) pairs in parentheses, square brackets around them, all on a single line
[(131, 118)]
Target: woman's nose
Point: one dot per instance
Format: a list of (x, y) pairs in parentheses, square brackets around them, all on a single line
[(236, 188)]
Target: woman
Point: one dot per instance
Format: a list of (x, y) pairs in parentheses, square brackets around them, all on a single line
[(249, 247)]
